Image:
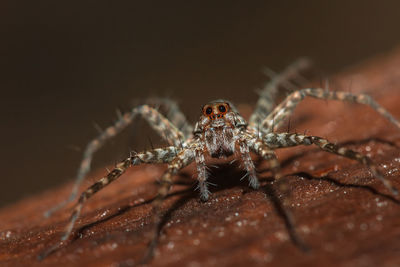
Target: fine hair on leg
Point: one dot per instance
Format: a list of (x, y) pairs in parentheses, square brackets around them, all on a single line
[(156, 120)]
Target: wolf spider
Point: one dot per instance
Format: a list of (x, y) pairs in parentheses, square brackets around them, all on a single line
[(220, 132)]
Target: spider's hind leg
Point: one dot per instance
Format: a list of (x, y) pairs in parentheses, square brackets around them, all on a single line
[(281, 140), (156, 120), (266, 101), (286, 108), (173, 114), (180, 160), (258, 146)]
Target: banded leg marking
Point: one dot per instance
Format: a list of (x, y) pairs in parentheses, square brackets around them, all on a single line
[(184, 158), (158, 155), (289, 139), (155, 119), (103, 182), (261, 149), (161, 155), (202, 175), (248, 165), (174, 115), (286, 108)]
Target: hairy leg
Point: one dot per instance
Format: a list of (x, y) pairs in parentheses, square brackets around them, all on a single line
[(158, 122), (280, 140), (286, 108), (266, 101), (248, 165), (161, 155), (173, 114), (261, 149), (181, 160), (202, 175)]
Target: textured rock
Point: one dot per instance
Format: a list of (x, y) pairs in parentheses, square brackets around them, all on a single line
[(344, 215)]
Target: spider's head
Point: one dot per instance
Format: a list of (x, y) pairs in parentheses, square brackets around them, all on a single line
[(216, 110), (217, 114)]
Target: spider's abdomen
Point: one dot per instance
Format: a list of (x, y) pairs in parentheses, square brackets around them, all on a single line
[(220, 141)]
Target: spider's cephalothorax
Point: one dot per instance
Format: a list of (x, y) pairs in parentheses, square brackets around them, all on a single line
[(218, 128), (220, 132)]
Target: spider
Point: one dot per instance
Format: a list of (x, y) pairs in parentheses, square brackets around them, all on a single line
[(220, 132)]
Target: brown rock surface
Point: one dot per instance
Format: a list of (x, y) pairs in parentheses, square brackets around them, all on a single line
[(341, 212)]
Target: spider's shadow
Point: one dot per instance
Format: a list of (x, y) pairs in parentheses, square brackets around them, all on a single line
[(225, 176), (79, 232), (308, 176), (347, 185), (284, 211), (222, 177), (186, 195)]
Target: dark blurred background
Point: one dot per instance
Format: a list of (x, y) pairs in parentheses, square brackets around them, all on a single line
[(65, 64)]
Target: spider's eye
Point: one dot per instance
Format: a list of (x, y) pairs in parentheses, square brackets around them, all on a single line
[(208, 110), (221, 108)]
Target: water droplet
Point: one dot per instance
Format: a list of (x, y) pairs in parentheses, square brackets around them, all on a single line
[(363, 226), (170, 245)]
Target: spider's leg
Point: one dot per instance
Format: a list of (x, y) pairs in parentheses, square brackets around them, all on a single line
[(280, 140), (182, 159), (202, 174), (260, 148), (160, 155), (266, 100), (174, 115), (285, 109), (248, 164), (157, 121)]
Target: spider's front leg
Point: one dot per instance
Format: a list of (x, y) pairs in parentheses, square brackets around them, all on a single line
[(248, 164), (156, 120), (160, 155), (202, 174), (280, 140), (182, 159), (249, 141), (286, 108), (258, 146)]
